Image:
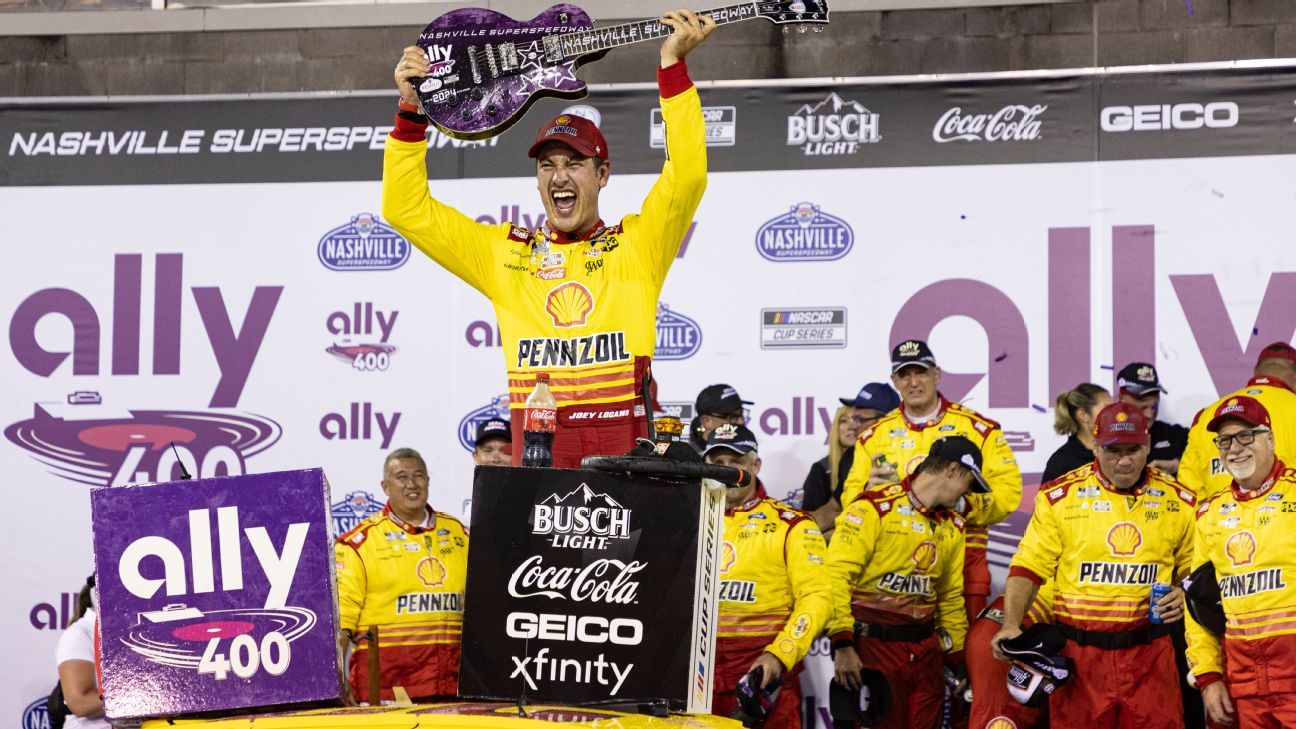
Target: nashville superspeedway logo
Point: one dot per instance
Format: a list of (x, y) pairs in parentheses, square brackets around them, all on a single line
[(85, 442), (804, 233), (363, 244)]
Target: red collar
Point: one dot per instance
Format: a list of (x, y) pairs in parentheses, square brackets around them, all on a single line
[(1135, 490), (942, 406), (747, 505), (1270, 381), (1243, 495), (410, 528), (924, 509), (558, 236)]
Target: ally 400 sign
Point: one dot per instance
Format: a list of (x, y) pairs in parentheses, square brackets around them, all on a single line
[(216, 594)]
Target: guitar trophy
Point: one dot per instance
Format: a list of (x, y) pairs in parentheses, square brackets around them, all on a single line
[(487, 68)]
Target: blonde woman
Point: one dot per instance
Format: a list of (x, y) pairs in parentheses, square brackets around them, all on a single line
[(1073, 416), (823, 484)]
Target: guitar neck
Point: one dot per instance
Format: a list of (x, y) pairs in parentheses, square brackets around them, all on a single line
[(596, 40)]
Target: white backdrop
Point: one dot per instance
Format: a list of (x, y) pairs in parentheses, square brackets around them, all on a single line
[(1224, 223)]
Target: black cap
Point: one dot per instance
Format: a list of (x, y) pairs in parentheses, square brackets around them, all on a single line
[(912, 351), (866, 705), (1138, 379), (719, 400), (493, 428), (876, 395), (734, 437), (960, 450)]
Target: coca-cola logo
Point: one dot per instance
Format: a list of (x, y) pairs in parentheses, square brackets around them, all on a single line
[(1013, 123), (603, 580)]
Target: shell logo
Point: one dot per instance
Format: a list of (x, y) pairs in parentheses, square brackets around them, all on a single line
[(570, 305), (924, 555), (1124, 539), (1240, 548), (1001, 722), (1121, 417), (728, 555), (431, 572), (912, 464), (563, 119)]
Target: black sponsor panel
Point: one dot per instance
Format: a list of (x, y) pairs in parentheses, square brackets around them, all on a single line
[(582, 588), (1060, 118), (1222, 113)]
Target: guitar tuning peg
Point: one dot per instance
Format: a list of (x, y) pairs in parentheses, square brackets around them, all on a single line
[(818, 28), (786, 30), (802, 29)]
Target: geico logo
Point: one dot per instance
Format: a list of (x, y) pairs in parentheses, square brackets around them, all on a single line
[(582, 628), (1145, 117)]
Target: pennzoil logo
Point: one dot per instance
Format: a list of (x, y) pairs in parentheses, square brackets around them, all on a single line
[(1124, 539), (354, 508), (1240, 548), (804, 233), (678, 336), (924, 555), (570, 304), (363, 244), (90, 443)]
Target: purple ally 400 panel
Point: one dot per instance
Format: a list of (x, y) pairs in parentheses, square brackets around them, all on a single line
[(216, 594)]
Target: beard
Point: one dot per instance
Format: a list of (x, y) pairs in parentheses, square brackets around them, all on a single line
[(1242, 471)]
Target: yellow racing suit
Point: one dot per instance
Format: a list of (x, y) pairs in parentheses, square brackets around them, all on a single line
[(897, 584), (774, 598), (905, 444), (409, 581), (1200, 468), (1250, 536), (582, 308)]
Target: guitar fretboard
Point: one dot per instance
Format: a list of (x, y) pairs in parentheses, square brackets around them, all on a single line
[(601, 39)]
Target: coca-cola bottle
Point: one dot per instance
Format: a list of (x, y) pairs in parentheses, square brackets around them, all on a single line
[(539, 424)]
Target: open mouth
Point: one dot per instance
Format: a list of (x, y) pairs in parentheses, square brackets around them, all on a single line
[(564, 202)]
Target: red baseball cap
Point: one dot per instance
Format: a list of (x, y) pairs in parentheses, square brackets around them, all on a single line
[(1278, 350), (576, 132), (1121, 422), (1247, 409)]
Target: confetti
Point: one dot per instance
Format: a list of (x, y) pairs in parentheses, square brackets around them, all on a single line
[(1040, 408)]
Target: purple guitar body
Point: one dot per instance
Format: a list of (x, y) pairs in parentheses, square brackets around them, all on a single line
[(487, 68)]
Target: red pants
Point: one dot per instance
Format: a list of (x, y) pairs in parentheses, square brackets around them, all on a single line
[(733, 660), (423, 671), (574, 442), (1271, 711), (991, 701), (916, 675), (1131, 688), (976, 573)]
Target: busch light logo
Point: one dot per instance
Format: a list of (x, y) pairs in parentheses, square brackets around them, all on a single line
[(581, 519), (497, 408), (94, 445), (36, 715), (364, 244), (834, 126), (354, 508), (805, 233), (678, 337)]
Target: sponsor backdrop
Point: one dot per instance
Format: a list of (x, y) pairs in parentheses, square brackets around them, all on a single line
[(214, 273)]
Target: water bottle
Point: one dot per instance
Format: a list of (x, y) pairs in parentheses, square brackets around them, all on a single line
[(538, 425), (1159, 590)]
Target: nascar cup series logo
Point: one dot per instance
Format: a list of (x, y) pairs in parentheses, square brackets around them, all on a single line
[(354, 508), (364, 244), (497, 408), (834, 126), (88, 442), (804, 233), (678, 336)]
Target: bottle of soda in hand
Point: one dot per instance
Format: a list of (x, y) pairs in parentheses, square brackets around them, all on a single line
[(539, 424)]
